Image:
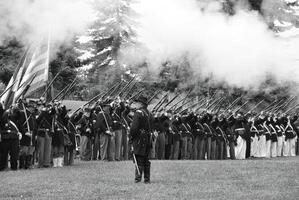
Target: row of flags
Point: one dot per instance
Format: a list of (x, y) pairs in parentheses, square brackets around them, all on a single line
[(30, 75)]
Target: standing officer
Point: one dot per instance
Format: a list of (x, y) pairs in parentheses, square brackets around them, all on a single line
[(141, 138)]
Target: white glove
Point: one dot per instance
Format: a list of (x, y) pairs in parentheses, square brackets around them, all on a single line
[(28, 134), (20, 135)]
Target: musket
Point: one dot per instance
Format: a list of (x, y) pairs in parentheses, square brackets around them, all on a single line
[(214, 102), (131, 87), (27, 86), (269, 106), (7, 89), (169, 102), (155, 94), (236, 110), (291, 108), (276, 106), (159, 102), (219, 102), (112, 90), (187, 96), (181, 106), (254, 107), (189, 107), (50, 84), (92, 99), (125, 87), (182, 100), (280, 106), (232, 104), (64, 89), (136, 95), (288, 102), (69, 88)]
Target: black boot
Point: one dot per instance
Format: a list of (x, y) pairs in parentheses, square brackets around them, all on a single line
[(138, 176), (147, 174), (22, 159)]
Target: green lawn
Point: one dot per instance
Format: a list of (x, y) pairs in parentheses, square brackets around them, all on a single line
[(239, 179)]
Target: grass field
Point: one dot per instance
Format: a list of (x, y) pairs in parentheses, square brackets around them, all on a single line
[(239, 179)]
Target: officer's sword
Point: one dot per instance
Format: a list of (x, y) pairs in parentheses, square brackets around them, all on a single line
[(135, 163)]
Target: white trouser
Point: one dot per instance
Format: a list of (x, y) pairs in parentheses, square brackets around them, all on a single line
[(262, 146), (254, 147), (279, 145), (285, 147), (273, 149), (268, 148), (240, 149), (292, 146)]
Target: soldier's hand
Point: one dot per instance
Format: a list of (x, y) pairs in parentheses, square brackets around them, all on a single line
[(20, 135), (28, 134), (132, 149)]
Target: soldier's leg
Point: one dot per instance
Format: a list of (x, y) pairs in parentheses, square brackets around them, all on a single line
[(293, 147), (147, 170), (40, 150), (195, 148), (213, 149), (83, 146), (111, 148), (268, 148), (184, 148), (71, 155), (88, 150), (4, 149), (124, 144), (66, 156), (176, 150), (208, 148), (140, 164), (103, 146), (232, 150), (161, 146), (29, 157), (118, 141), (47, 150), (153, 150), (224, 150), (221, 150), (201, 150), (22, 156), (274, 149), (14, 152), (95, 148)]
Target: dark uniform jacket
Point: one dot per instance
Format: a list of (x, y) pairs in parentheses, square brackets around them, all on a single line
[(141, 132)]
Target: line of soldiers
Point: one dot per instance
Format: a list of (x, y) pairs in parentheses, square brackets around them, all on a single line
[(47, 134), (236, 136), (36, 132)]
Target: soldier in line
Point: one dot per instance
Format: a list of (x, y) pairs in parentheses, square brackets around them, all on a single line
[(9, 139)]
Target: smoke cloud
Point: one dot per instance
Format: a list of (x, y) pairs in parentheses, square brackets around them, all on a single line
[(31, 20), (239, 49)]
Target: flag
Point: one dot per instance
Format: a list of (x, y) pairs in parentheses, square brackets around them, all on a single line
[(7, 97), (36, 73)]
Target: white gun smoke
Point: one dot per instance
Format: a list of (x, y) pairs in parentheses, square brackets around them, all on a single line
[(31, 20), (239, 49)]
